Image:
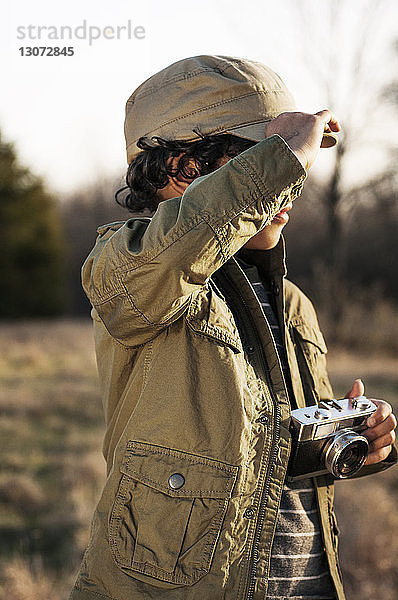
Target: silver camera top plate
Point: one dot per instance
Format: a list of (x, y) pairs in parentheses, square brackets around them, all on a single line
[(329, 416)]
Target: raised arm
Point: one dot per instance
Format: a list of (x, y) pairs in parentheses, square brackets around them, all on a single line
[(142, 278)]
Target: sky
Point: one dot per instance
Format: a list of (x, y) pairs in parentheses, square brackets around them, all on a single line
[(65, 113)]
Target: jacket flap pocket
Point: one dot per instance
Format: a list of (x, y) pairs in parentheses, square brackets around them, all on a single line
[(177, 473), (310, 334), (209, 315)]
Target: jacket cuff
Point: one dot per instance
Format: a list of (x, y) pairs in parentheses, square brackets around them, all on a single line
[(274, 168)]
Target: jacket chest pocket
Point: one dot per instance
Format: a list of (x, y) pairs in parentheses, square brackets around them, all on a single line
[(208, 315), (311, 350), (168, 514)]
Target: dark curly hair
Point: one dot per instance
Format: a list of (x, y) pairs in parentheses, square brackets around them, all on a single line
[(149, 171)]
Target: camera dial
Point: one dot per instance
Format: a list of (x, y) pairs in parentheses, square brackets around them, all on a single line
[(361, 403)]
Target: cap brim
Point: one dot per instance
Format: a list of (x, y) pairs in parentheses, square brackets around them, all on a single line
[(256, 132)]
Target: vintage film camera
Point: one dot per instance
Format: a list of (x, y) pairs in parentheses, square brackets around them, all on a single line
[(326, 438)]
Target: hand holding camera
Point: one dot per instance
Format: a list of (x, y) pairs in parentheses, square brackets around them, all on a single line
[(340, 436), (381, 425)]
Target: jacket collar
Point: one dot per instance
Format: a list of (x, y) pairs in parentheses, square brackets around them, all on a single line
[(270, 263)]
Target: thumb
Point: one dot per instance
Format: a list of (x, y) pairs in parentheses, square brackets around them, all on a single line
[(358, 389)]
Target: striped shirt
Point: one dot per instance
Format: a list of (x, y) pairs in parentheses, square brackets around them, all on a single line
[(298, 568)]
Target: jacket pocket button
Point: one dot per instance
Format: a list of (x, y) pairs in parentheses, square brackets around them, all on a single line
[(249, 513), (176, 481)]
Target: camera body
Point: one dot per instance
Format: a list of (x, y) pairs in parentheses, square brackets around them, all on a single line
[(326, 438)]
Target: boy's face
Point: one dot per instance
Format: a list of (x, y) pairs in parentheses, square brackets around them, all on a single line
[(268, 237), (265, 239)]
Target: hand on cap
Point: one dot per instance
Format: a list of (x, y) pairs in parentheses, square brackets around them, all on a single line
[(303, 132)]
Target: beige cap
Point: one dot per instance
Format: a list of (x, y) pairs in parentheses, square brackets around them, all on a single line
[(205, 95)]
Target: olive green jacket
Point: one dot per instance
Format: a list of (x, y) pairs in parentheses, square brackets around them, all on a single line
[(198, 415)]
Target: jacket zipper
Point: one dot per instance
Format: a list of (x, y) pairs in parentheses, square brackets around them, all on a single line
[(276, 433), (263, 502)]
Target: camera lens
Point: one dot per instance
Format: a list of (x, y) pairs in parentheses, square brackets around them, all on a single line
[(350, 458), (346, 453)]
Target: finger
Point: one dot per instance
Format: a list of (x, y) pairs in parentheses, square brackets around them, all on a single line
[(377, 456), (384, 428), (328, 140), (330, 125), (334, 124), (383, 441), (329, 119), (358, 389), (325, 114), (381, 413)]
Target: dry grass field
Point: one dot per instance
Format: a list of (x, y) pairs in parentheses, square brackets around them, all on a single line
[(51, 469)]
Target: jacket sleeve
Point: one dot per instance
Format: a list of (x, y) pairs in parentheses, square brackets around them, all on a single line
[(141, 278)]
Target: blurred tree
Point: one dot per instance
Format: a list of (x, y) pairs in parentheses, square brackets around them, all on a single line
[(351, 75), (32, 248), (390, 92), (369, 243), (82, 212)]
